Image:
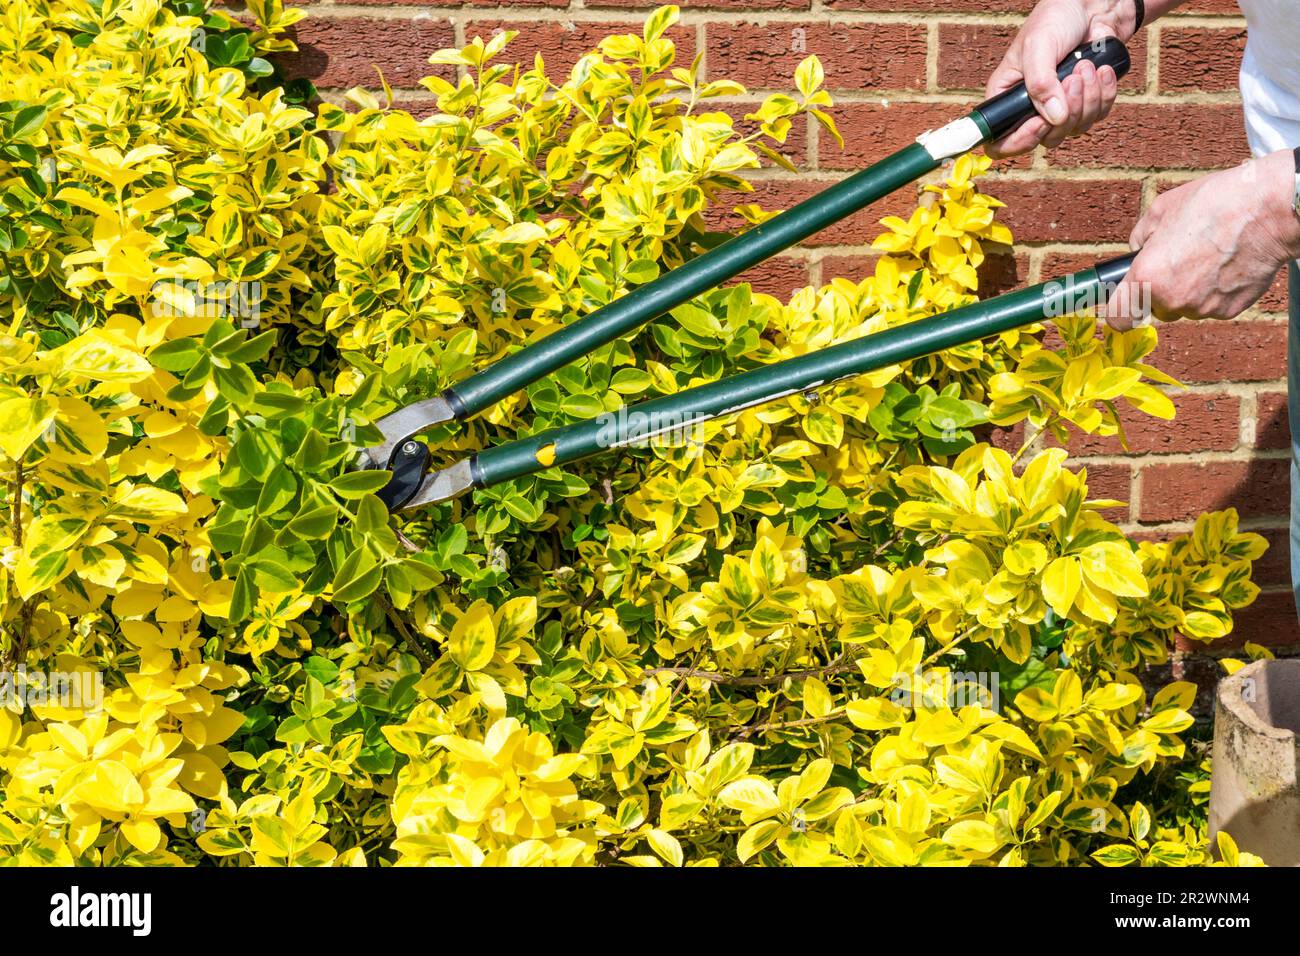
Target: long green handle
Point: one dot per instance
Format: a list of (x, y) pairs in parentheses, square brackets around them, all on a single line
[(989, 121), (690, 279), (903, 343)]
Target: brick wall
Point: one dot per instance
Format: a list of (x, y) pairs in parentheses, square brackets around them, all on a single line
[(897, 67)]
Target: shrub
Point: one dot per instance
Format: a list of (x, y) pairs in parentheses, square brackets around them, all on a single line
[(837, 629)]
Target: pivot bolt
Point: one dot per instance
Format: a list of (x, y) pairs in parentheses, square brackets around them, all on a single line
[(411, 449)]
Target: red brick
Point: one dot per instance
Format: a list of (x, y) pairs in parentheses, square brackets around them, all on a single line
[(562, 42), (795, 147), (344, 51), (1200, 58), (1202, 423), (1001, 271), (706, 4), (1210, 6), (1274, 566), (1275, 299), (935, 6), (853, 268), (1058, 265), (1181, 491), (781, 194), (1209, 351), (856, 56), (1160, 136), (781, 276), (1110, 481), (873, 131), (1272, 425), (461, 4), (969, 52), (1063, 210)]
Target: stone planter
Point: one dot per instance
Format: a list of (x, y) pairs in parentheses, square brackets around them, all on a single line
[(1254, 794)]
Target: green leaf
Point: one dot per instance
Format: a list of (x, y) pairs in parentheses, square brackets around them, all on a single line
[(321, 668), (358, 484), (27, 122), (315, 523), (254, 350), (178, 355), (357, 578), (1116, 855)]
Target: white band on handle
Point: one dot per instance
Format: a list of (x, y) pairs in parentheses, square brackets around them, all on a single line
[(959, 136)]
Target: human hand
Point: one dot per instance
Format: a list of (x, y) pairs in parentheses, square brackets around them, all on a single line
[(1050, 33), (1211, 247)]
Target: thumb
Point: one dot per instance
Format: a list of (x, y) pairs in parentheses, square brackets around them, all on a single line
[(1126, 304), (1007, 75), (1117, 311)]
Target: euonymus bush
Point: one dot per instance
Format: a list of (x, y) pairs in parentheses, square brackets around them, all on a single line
[(841, 631)]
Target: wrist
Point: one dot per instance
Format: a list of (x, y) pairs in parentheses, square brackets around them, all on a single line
[(1278, 178), (1117, 18), (1123, 18)]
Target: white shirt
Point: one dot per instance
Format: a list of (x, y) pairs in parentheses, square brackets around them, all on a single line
[(1270, 75)]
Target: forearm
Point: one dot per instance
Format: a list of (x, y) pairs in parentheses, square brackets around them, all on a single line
[(1156, 8), (1121, 15)]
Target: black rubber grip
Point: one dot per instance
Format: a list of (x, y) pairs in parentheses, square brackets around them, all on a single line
[(1112, 271), (1004, 112)]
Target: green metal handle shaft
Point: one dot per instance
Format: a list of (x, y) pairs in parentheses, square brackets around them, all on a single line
[(688, 280), (635, 424), (990, 120)]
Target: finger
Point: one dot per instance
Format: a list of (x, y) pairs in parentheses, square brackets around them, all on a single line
[(1039, 65), (1024, 139), (1092, 103), (1109, 90), (1115, 311), (1128, 303), (1074, 106)]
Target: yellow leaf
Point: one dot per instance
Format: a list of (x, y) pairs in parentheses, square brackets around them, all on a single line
[(974, 835), (754, 797), (878, 713), (817, 699), (144, 835), (666, 845), (809, 75), (1061, 582), (1112, 566), (22, 420), (473, 637), (112, 788), (757, 838)]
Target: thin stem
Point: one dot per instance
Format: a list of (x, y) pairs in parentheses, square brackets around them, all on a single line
[(407, 637), (785, 724), (755, 680)]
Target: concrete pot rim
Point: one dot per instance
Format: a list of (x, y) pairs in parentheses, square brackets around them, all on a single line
[(1232, 700)]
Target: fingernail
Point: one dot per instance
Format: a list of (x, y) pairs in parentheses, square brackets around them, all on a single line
[(1055, 111)]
